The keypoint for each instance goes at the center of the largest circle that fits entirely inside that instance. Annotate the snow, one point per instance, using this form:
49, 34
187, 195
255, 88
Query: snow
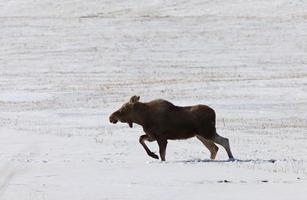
66, 65
21, 96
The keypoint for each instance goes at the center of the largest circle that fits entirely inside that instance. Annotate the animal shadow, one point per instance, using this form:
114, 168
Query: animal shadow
228, 160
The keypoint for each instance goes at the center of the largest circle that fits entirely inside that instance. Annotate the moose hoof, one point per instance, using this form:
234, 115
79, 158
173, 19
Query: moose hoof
231, 159
153, 155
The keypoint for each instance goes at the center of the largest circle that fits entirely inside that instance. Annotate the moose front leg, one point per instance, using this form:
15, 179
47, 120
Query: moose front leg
162, 148
142, 140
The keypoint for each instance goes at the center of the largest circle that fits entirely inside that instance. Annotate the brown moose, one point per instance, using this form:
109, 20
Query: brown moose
161, 120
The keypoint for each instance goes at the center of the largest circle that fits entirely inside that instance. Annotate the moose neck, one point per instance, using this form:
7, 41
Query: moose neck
140, 113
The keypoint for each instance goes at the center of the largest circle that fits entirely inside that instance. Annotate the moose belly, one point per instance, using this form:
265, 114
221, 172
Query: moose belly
179, 135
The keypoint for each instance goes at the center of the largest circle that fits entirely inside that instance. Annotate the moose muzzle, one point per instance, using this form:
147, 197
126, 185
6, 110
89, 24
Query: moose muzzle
113, 119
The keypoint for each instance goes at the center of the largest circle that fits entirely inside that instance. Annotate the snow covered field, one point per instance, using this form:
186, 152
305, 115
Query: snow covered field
66, 65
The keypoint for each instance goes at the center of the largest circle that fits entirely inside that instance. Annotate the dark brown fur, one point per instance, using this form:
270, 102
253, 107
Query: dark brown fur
161, 120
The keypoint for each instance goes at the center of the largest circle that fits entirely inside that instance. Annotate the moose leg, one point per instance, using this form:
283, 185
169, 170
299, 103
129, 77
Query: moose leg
224, 142
210, 145
142, 140
162, 148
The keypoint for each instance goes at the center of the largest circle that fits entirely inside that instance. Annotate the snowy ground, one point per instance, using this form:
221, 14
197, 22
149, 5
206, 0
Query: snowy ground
66, 65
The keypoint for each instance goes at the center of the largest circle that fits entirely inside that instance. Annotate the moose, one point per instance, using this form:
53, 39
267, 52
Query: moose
161, 121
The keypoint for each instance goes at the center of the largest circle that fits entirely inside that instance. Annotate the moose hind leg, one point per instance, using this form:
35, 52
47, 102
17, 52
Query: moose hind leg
210, 145
224, 142
142, 140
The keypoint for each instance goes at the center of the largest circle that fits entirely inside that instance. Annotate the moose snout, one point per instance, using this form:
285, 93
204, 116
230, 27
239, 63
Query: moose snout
113, 119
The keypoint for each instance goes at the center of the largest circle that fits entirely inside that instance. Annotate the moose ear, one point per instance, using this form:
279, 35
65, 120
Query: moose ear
134, 99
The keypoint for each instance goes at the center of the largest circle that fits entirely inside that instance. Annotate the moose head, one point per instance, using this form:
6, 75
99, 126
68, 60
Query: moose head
126, 112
